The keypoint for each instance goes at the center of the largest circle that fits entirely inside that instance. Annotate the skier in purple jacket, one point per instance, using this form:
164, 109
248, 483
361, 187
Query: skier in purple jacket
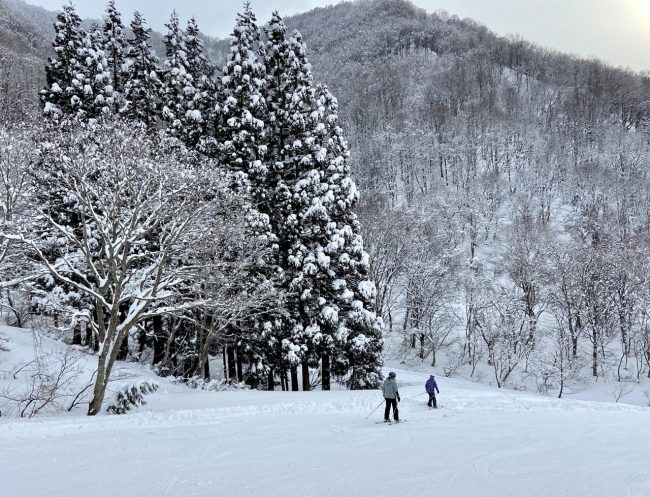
432, 389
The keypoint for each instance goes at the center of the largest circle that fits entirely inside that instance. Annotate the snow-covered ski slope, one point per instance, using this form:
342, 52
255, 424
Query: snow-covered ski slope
482, 442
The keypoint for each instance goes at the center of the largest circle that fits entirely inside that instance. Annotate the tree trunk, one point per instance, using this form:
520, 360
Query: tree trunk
99, 391
225, 362
89, 336
240, 368
76, 333
159, 341
19, 321
325, 372
124, 349
574, 337
232, 365
594, 355
295, 387
206, 371
271, 381
142, 339
105, 363
574, 347
305, 377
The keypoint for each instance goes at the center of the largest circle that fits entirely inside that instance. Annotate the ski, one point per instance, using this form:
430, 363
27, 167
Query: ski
390, 422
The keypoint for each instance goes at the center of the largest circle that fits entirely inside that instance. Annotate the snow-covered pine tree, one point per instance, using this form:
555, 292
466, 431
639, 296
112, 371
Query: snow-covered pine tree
115, 48
241, 146
325, 262
242, 105
359, 334
143, 85
95, 77
289, 100
62, 93
320, 249
199, 96
177, 84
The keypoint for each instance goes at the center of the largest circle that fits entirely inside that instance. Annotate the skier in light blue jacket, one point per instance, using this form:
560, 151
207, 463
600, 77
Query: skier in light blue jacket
391, 394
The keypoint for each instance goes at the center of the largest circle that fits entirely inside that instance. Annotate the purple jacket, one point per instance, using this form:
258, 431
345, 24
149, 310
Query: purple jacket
432, 386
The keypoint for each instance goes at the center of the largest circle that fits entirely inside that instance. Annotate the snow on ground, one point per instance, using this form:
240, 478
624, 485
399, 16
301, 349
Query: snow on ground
481, 442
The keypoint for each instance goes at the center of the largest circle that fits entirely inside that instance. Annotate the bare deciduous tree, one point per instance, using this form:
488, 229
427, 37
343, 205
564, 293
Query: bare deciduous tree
138, 208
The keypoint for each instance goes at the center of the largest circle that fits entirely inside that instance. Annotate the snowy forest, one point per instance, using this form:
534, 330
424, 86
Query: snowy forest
167, 214
290, 207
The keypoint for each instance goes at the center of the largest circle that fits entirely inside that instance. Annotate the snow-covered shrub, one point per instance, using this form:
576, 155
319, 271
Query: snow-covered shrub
49, 382
131, 396
213, 385
3, 343
479, 376
621, 389
19, 312
456, 360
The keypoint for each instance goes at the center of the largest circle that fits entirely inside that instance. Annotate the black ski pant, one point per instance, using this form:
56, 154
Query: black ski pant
432, 400
389, 403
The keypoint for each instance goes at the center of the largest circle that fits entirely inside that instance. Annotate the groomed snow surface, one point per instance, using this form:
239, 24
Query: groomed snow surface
187, 443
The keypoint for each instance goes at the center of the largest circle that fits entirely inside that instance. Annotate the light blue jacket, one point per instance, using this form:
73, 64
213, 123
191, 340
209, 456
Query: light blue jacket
389, 389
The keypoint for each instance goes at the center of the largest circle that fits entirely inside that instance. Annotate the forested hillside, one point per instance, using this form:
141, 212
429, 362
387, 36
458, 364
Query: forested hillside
504, 187
26, 33
505, 200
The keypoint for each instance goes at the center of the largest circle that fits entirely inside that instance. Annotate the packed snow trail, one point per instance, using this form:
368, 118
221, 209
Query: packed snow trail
278, 444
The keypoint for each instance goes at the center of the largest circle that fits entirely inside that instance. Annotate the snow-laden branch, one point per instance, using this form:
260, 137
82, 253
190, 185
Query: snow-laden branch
125, 221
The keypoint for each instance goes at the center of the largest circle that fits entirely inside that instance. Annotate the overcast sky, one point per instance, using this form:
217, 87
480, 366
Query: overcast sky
617, 31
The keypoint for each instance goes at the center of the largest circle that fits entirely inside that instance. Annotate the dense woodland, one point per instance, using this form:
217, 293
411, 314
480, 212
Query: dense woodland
504, 197
504, 192
165, 213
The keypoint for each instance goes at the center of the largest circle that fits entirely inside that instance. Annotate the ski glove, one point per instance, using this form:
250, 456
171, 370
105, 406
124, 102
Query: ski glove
398, 399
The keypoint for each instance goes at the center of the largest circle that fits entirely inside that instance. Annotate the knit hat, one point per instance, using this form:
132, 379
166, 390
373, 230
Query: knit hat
391, 375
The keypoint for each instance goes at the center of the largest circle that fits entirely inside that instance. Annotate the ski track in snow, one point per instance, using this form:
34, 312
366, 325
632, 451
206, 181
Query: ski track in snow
480, 443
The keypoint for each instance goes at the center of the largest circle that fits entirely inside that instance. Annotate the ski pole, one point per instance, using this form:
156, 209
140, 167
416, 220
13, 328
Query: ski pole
375, 409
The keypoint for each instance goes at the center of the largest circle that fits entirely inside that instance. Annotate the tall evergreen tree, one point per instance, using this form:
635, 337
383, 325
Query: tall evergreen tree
321, 250
242, 106
359, 333
241, 140
63, 91
95, 77
143, 85
290, 100
177, 84
115, 49
199, 96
